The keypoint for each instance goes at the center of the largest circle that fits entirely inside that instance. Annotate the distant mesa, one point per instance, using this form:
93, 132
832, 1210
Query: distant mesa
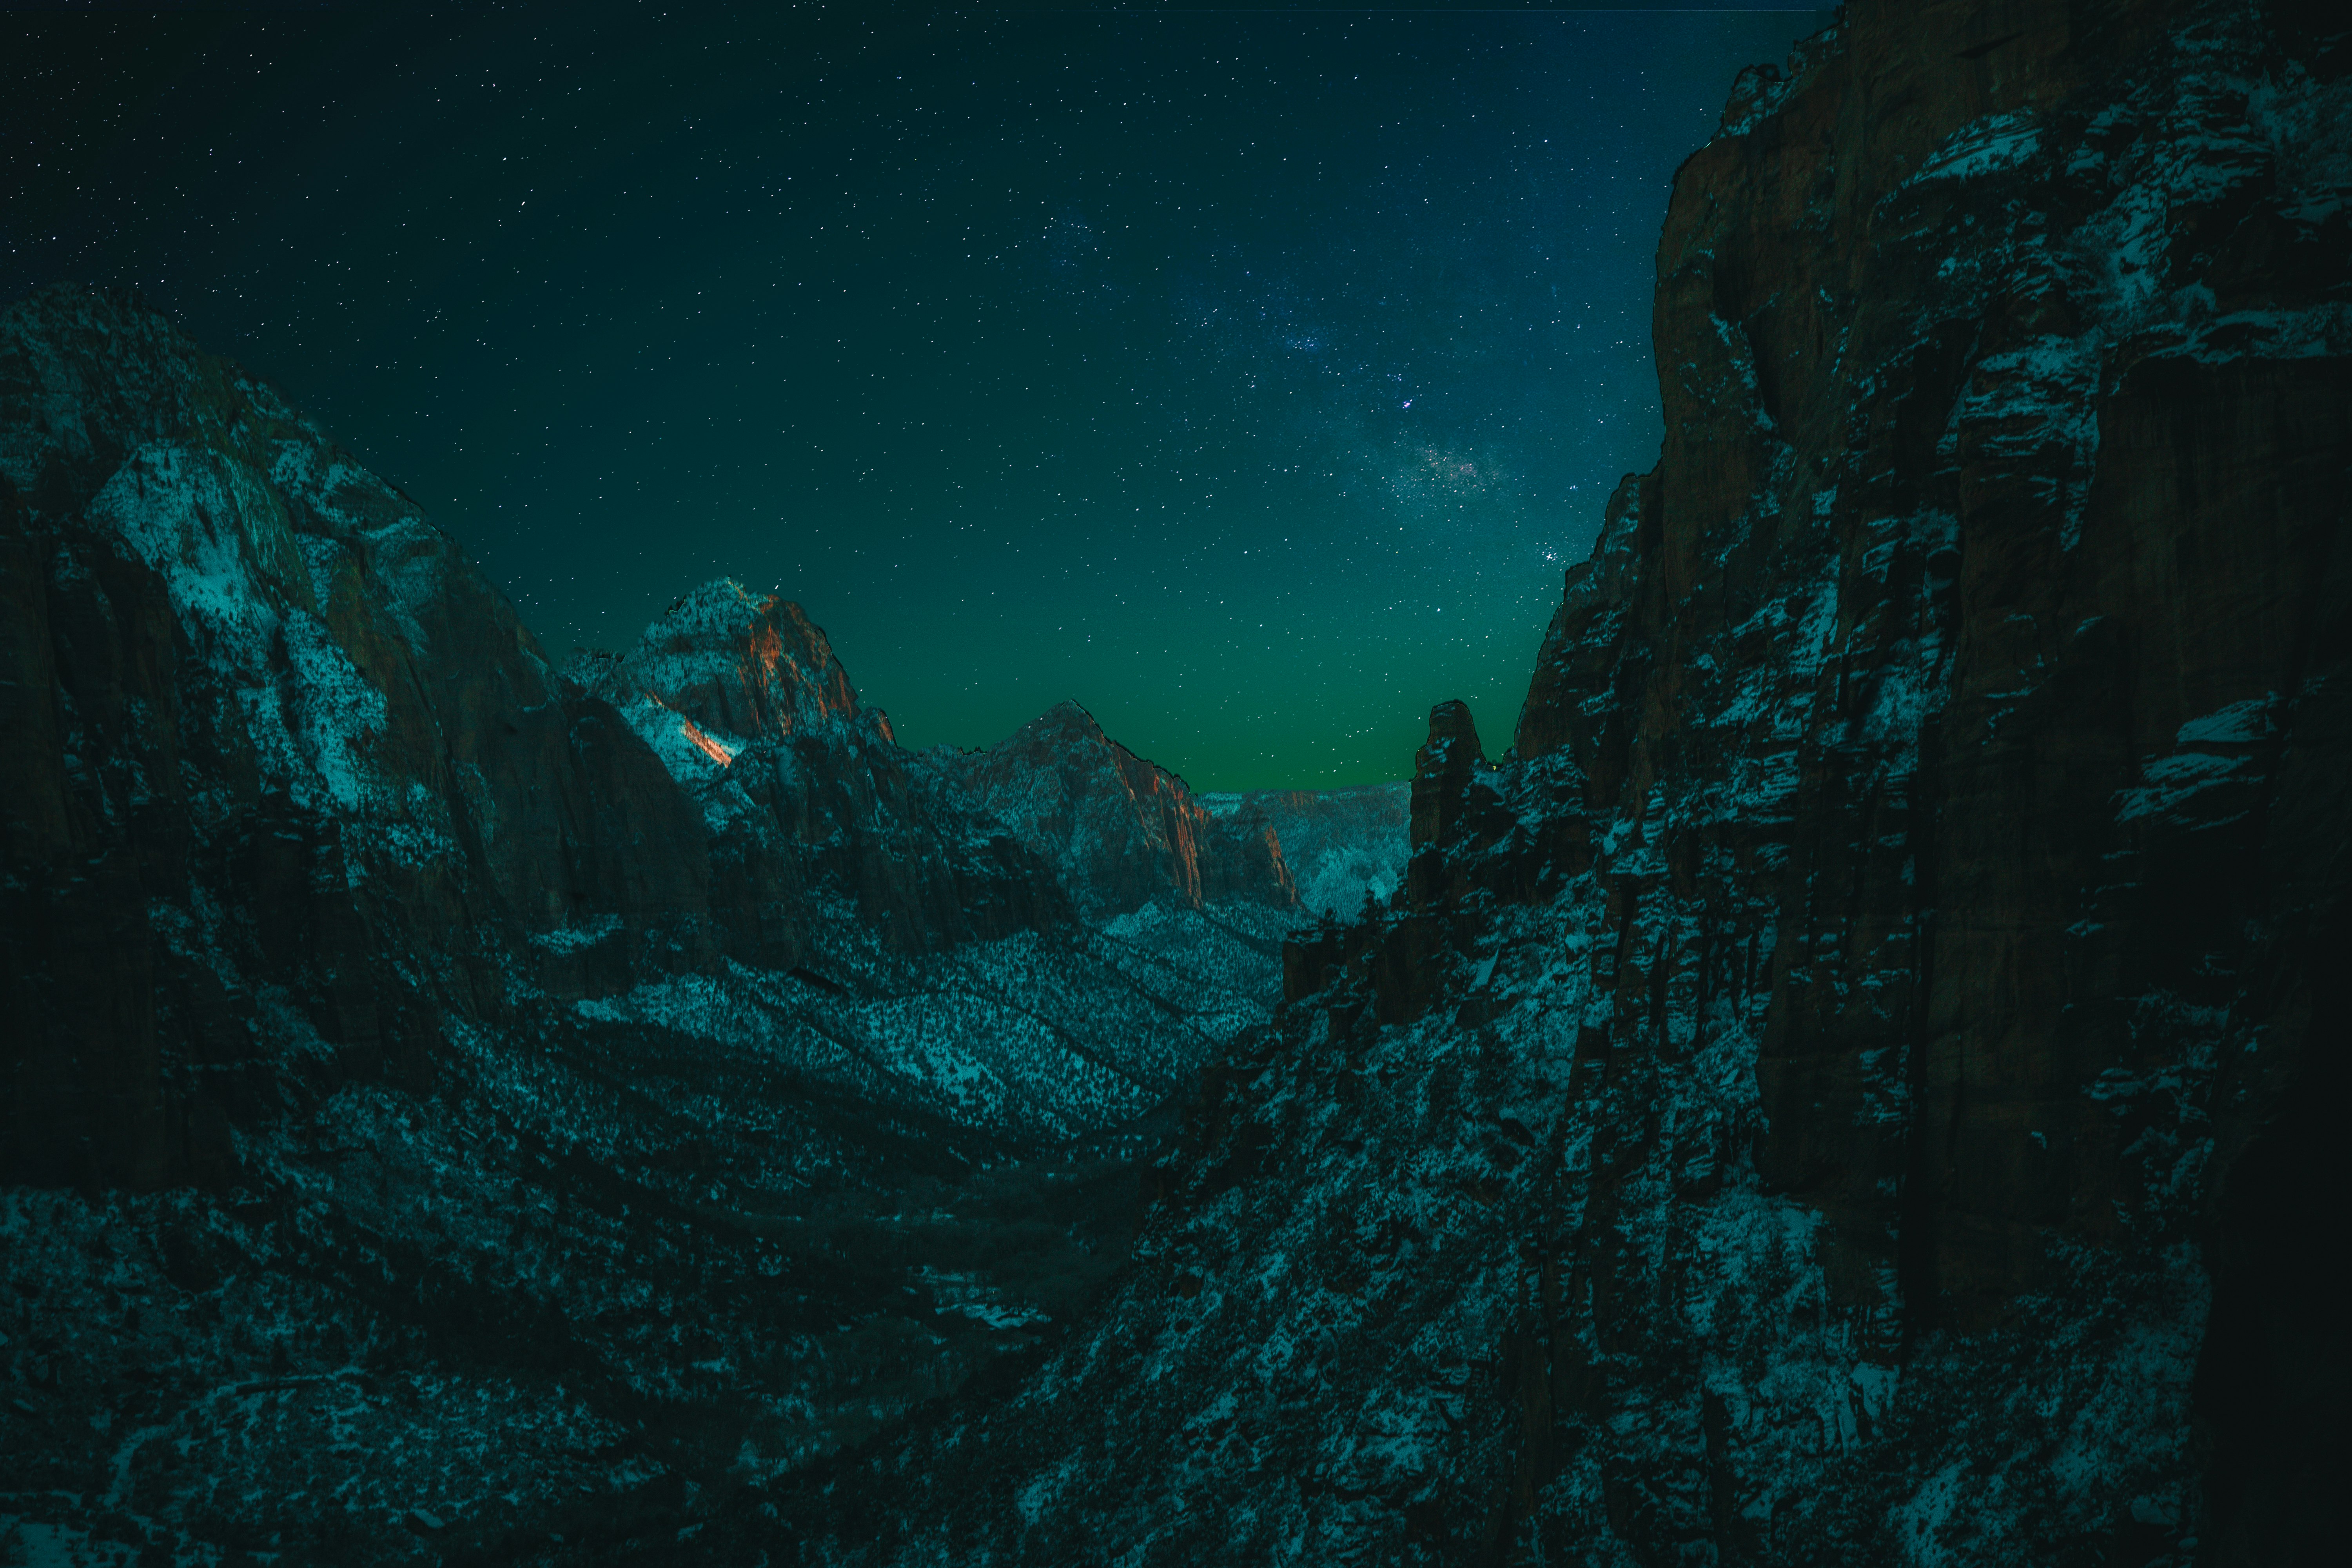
725, 669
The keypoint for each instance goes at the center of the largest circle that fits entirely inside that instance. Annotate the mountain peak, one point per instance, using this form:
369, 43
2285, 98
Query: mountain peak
1123, 830
736, 662
1067, 716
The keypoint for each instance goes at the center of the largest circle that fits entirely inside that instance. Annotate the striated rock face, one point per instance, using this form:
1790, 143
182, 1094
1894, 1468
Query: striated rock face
743, 700
1340, 846
1120, 831
1851, 1090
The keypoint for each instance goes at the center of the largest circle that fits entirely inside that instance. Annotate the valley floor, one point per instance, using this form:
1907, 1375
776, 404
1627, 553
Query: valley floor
651, 1249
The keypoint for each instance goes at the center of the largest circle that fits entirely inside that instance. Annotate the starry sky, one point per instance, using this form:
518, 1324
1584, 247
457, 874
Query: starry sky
1250, 376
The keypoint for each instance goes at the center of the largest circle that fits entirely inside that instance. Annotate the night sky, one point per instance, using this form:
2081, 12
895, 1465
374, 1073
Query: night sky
1250, 376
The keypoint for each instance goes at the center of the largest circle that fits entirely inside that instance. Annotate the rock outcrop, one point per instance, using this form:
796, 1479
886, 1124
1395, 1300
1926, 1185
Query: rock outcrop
284, 749
1851, 1087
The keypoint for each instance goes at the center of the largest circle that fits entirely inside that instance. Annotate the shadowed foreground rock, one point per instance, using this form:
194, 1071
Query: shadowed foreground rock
1854, 1086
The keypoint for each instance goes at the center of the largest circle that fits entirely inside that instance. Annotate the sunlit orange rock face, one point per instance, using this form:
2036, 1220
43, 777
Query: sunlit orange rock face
804, 790
740, 694
742, 663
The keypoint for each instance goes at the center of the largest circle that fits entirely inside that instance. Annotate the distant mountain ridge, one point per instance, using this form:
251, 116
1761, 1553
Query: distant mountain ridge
1342, 847
1122, 831
725, 671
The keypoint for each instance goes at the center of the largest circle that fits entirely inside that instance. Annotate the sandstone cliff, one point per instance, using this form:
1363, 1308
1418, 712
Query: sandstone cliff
283, 753
801, 789
1850, 1089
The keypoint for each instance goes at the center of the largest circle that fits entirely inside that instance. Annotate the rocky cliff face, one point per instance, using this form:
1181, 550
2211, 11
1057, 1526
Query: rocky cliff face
287, 760
1342, 845
1840, 1092
802, 791
446, 1095
1121, 831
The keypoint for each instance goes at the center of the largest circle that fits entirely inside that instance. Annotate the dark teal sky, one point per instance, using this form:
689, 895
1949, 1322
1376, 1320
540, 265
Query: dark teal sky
1250, 376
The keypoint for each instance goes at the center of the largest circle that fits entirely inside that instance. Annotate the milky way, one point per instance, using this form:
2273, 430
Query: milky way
1249, 377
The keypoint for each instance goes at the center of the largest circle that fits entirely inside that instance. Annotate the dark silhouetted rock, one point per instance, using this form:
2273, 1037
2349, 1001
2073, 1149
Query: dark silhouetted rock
1853, 1089
292, 753
541, 1093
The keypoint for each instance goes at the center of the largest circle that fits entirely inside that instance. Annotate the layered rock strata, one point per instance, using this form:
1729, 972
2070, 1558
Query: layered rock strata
284, 749
1849, 1088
